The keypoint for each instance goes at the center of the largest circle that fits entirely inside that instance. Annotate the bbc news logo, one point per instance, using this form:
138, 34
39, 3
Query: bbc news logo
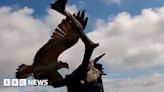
24, 82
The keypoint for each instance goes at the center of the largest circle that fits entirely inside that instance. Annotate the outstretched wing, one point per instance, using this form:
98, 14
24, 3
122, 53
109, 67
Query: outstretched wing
63, 38
59, 6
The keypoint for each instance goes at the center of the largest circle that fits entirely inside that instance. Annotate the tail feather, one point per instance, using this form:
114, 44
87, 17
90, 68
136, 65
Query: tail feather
24, 71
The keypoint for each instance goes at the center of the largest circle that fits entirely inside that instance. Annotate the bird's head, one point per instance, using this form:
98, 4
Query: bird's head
63, 65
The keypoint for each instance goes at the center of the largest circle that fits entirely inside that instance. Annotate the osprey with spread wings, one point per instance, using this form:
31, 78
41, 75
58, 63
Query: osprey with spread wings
46, 61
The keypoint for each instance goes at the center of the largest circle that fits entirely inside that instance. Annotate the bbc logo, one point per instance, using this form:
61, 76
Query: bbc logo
24, 82
14, 82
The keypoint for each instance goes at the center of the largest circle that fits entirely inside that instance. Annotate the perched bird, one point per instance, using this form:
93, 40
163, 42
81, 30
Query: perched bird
46, 61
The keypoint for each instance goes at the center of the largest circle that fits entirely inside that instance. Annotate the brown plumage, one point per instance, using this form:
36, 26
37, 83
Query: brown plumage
46, 62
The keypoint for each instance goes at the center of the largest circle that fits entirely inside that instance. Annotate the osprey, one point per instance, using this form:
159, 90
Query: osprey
46, 62
93, 73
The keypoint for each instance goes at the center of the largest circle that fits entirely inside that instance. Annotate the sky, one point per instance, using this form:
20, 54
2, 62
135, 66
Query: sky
130, 32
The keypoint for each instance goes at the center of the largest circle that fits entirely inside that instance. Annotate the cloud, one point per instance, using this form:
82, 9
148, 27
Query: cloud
54, 18
9, 90
153, 83
117, 2
21, 35
132, 42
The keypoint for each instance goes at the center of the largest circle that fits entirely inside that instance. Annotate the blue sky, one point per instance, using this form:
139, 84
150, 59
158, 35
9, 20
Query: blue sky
96, 8
132, 50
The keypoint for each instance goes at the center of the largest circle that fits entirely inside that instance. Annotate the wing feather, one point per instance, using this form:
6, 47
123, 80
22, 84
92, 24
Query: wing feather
59, 5
62, 38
